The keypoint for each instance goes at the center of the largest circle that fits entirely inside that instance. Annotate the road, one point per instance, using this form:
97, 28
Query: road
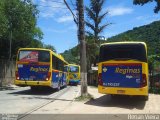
21, 100
40, 105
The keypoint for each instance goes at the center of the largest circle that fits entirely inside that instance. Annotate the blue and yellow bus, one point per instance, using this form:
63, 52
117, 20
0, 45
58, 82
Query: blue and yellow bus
40, 67
73, 74
123, 69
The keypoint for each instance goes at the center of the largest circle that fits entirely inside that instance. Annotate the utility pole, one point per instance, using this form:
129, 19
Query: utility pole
79, 20
83, 60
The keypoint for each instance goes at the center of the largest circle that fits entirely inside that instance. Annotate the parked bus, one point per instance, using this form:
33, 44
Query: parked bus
40, 67
73, 74
123, 69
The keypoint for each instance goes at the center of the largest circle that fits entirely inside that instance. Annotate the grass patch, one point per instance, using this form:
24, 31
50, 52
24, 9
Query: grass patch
84, 98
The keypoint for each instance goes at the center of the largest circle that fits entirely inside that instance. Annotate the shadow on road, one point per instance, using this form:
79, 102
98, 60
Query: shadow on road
118, 101
46, 91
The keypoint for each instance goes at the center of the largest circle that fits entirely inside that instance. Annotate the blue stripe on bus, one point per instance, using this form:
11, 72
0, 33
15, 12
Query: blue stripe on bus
33, 72
122, 76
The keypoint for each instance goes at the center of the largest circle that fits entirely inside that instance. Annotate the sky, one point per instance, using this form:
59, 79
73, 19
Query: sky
56, 21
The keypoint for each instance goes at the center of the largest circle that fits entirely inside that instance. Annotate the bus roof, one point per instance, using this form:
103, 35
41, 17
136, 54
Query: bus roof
123, 50
34, 49
72, 65
129, 42
55, 54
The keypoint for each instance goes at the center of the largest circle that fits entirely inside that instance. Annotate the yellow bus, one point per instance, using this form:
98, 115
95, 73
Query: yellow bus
37, 67
123, 69
73, 74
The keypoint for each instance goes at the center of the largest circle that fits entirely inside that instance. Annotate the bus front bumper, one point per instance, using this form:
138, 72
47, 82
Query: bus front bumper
123, 91
32, 83
74, 81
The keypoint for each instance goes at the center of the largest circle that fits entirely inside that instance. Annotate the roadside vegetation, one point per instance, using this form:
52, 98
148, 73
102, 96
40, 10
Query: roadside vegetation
18, 27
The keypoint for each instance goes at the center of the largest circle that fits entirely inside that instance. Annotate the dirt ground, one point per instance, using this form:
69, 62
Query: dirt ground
104, 104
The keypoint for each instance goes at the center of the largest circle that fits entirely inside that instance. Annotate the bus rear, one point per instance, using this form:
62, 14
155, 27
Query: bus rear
73, 74
123, 69
33, 67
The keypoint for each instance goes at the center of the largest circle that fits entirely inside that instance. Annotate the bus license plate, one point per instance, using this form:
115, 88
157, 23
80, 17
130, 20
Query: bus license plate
120, 91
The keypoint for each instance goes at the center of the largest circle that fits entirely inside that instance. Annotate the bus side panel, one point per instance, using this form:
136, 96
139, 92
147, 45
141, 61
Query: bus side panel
55, 79
64, 79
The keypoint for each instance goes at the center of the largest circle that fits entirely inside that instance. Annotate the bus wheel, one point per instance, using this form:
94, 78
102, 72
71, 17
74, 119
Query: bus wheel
145, 98
113, 96
59, 87
33, 88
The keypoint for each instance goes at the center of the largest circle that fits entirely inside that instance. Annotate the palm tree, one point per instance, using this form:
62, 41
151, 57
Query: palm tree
95, 16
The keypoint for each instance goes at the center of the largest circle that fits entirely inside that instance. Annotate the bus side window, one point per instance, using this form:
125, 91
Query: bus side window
53, 62
60, 65
57, 63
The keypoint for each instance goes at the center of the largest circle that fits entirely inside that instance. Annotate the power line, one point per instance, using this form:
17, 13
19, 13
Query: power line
74, 16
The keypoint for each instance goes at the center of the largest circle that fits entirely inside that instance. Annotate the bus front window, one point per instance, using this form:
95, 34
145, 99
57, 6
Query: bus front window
123, 52
74, 69
34, 56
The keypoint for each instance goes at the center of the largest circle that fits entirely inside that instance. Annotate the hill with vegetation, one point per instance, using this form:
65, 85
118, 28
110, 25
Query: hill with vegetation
148, 33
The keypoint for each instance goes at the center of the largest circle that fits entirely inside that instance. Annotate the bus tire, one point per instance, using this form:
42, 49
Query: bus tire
145, 98
113, 96
33, 88
59, 87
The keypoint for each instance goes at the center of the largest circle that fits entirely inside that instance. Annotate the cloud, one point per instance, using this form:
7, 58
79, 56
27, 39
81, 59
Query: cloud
54, 30
55, 10
50, 8
148, 18
65, 18
119, 10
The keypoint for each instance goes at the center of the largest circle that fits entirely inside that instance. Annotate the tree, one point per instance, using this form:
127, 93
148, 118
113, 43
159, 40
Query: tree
81, 38
95, 15
50, 47
142, 2
18, 26
83, 60
3, 20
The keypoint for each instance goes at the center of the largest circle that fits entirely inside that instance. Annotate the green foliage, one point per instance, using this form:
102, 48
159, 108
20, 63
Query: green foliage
142, 2
3, 20
148, 33
95, 18
50, 47
18, 17
72, 55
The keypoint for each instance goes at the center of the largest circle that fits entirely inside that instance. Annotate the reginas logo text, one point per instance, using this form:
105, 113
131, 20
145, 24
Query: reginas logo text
126, 70
38, 69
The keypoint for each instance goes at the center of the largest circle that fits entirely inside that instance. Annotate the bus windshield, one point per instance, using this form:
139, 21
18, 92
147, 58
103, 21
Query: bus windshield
123, 52
34, 56
74, 69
